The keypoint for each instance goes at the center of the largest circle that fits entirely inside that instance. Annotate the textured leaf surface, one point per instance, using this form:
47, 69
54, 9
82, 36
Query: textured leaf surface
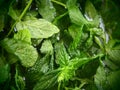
47, 81
38, 28
75, 14
46, 47
26, 53
62, 58
75, 32
46, 9
23, 35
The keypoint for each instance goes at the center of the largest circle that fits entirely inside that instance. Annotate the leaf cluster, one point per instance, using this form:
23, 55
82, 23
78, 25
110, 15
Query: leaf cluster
59, 45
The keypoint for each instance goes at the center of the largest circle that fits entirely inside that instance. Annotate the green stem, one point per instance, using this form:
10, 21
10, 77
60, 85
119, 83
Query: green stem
20, 17
59, 85
59, 3
59, 17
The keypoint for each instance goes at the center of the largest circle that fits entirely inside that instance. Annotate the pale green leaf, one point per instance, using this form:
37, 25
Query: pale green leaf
25, 52
46, 47
23, 35
39, 28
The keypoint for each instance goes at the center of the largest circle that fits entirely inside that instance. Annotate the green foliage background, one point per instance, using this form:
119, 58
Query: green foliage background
59, 45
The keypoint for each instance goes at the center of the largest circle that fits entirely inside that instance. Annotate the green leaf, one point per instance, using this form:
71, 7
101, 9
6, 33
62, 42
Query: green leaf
100, 78
46, 9
114, 55
46, 81
2, 60
23, 35
75, 32
25, 52
12, 58
90, 10
89, 69
75, 14
106, 80
39, 28
91, 14
1, 22
46, 47
4, 73
41, 65
113, 51
12, 13
114, 80
66, 73
19, 80
62, 57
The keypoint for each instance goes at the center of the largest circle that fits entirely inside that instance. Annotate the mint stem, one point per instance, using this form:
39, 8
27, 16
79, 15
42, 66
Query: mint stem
20, 17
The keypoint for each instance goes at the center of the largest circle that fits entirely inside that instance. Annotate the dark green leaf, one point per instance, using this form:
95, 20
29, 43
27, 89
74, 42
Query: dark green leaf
1, 22
46, 81
12, 13
40, 67
100, 78
12, 58
113, 51
46, 9
4, 73
90, 10
2, 61
107, 81
75, 13
114, 80
19, 80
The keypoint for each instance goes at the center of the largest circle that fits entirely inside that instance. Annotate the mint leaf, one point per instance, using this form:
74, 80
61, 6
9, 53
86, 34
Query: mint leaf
4, 73
75, 14
39, 28
76, 32
46, 81
23, 35
46, 47
12, 13
26, 53
113, 51
62, 57
19, 80
90, 10
46, 9
101, 78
